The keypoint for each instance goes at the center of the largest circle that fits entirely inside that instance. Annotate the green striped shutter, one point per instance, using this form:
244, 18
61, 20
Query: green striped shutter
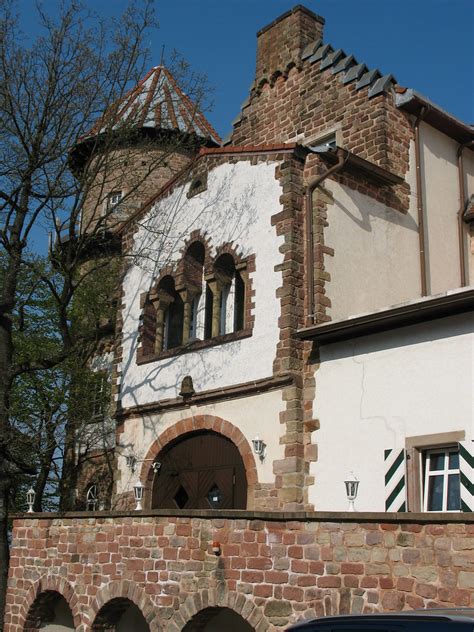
395, 480
466, 473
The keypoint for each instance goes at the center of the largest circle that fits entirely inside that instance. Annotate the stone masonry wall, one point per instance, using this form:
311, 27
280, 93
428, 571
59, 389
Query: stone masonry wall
273, 569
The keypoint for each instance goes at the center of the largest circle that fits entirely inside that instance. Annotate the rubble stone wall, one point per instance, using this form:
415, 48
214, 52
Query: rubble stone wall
273, 568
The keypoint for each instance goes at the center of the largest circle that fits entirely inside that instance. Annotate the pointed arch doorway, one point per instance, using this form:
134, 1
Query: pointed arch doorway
200, 470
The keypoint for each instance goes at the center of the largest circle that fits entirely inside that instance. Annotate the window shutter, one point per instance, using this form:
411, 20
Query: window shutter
395, 480
466, 473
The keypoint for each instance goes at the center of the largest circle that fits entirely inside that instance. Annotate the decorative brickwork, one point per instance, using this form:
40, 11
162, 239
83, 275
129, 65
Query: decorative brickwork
273, 569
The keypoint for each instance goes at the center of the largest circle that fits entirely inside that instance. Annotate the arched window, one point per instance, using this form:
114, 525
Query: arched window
228, 297
169, 315
92, 498
193, 268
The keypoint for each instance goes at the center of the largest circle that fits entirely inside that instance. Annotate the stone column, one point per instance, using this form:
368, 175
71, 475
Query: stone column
161, 301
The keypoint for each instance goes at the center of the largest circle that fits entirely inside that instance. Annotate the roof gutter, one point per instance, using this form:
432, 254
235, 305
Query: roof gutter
413, 101
342, 158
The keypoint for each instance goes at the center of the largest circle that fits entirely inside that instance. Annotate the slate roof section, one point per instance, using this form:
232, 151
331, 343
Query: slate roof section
157, 102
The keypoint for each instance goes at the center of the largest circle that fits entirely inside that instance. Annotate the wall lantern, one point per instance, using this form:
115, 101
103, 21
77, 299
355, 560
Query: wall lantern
352, 487
259, 447
30, 499
138, 490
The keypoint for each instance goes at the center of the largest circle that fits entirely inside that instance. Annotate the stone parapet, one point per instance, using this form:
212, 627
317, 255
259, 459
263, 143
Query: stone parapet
273, 567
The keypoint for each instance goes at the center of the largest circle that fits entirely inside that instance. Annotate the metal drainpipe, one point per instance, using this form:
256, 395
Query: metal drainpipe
462, 201
342, 158
419, 196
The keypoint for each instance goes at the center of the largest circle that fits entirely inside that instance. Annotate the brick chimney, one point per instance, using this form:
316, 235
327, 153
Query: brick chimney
282, 42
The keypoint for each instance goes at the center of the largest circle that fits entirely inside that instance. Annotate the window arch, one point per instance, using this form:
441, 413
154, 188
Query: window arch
169, 315
228, 297
197, 300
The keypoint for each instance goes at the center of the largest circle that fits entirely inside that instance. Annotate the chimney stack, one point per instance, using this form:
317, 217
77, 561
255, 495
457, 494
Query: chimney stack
282, 42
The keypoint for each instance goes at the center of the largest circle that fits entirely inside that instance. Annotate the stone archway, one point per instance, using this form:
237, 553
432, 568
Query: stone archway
50, 612
120, 604
207, 608
201, 423
50, 601
217, 620
200, 470
120, 615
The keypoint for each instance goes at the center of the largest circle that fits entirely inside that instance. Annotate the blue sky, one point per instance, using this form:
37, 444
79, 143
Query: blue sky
427, 45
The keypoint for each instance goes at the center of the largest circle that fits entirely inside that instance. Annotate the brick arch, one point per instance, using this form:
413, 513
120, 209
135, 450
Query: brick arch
216, 599
45, 584
124, 590
201, 237
202, 422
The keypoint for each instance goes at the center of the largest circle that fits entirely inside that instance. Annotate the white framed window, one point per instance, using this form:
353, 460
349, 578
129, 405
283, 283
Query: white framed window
112, 202
441, 484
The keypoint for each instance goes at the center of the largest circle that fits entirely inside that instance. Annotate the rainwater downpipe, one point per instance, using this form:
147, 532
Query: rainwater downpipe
419, 197
342, 158
462, 202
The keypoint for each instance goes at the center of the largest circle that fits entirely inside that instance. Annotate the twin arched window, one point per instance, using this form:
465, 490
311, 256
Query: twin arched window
195, 304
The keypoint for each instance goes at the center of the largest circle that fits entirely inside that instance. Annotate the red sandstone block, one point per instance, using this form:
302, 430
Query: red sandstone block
329, 581
306, 580
170, 553
416, 603
349, 568
252, 577
426, 590
263, 590
288, 538
299, 566
388, 526
393, 600
295, 552
238, 562
317, 568
249, 549
351, 581
405, 584
276, 577
369, 582
386, 582
260, 563
293, 593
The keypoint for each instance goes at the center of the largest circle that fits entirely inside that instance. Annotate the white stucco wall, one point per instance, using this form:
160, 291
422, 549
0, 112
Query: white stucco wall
441, 200
374, 391
237, 206
255, 415
375, 262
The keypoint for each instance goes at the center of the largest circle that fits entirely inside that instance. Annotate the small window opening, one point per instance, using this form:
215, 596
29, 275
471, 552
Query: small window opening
92, 498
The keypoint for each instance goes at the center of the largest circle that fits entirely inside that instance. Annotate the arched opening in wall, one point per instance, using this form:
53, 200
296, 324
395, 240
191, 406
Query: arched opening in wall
50, 612
230, 295
120, 615
172, 316
200, 470
217, 620
193, 282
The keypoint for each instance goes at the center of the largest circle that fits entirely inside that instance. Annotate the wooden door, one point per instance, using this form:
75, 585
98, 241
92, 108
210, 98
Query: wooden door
201, 471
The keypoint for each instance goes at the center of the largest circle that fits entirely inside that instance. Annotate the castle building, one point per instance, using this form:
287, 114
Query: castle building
295, 321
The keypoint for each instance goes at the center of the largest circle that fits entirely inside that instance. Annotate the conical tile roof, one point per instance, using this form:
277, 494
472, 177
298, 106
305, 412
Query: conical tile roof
157, 102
